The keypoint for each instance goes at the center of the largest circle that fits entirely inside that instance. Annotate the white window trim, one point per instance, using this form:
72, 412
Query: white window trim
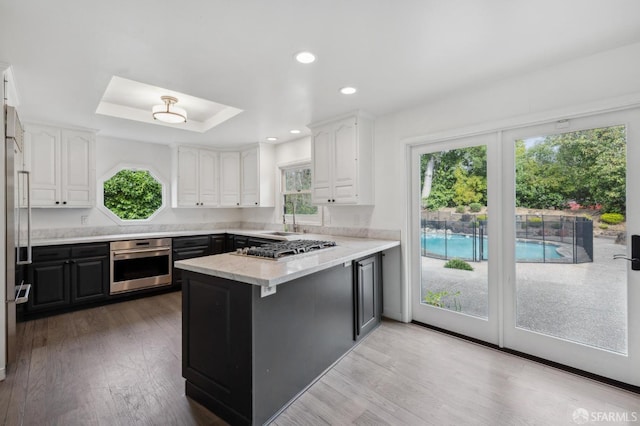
301, 219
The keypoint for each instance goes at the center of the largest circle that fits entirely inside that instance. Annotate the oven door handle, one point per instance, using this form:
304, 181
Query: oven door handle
138, 253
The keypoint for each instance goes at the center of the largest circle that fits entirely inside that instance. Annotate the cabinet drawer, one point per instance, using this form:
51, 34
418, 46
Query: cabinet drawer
185, 242
44, 254
90, 250
190, 253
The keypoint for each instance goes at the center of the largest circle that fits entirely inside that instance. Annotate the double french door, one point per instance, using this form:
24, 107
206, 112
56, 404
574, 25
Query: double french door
519, 239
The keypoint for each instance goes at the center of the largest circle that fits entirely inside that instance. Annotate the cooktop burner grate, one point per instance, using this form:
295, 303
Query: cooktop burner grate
282, 249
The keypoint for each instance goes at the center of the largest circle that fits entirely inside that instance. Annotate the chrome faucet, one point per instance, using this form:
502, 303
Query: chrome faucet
293, 214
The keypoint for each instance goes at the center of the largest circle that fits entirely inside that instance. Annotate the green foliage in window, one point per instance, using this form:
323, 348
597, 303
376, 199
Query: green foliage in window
132, 194
460, 209
301, 202
441, 299
612, 218
475, 207
458, 264
534, 221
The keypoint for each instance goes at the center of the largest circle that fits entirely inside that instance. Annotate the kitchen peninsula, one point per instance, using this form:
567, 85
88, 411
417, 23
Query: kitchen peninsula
257, 332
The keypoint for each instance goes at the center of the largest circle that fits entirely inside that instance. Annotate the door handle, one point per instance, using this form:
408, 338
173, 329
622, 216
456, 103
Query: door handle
635, 253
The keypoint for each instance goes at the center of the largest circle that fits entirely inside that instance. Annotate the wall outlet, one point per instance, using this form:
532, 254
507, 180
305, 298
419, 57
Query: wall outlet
84, 220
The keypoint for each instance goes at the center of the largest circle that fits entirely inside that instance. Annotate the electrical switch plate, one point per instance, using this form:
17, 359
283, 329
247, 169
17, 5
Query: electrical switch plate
84, 220
267, 291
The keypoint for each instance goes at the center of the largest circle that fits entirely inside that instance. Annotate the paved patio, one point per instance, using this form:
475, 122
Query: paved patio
584, 302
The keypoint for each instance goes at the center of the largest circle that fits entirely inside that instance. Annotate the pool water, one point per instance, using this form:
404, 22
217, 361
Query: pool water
462, 246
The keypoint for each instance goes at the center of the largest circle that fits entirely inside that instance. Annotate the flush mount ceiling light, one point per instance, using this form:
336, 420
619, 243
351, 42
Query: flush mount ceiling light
272, 139
305, 57
294, 131
169, 112
348, 90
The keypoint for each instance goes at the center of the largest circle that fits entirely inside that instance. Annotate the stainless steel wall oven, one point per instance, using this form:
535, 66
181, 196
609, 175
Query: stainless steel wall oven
139, 264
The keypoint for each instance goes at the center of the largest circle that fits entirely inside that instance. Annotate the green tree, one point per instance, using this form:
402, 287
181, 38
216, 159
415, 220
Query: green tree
132, 194
457, 173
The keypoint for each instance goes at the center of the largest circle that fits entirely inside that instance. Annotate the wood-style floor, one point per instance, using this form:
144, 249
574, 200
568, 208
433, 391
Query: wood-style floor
120, 365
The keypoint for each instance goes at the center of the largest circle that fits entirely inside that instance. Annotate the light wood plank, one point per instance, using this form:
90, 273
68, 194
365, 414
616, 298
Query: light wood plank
120, 364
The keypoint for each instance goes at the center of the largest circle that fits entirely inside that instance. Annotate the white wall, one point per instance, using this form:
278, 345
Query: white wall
604, 80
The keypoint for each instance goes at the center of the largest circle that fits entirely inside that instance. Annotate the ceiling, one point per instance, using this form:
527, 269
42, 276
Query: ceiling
240, 53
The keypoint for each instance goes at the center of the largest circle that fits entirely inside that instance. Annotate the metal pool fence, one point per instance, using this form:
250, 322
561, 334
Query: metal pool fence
571, 237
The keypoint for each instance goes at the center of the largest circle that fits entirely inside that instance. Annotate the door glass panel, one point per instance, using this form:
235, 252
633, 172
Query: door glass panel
570, 212
453, 230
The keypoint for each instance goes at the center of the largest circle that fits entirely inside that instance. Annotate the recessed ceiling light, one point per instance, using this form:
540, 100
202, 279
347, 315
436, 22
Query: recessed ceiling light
305, 57
294, 131
348, 90
272, 139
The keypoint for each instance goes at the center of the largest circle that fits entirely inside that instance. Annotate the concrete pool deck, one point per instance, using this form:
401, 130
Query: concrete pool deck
585, 302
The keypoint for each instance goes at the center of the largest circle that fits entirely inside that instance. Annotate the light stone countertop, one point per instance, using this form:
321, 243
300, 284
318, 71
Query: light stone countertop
268, 272
171, 234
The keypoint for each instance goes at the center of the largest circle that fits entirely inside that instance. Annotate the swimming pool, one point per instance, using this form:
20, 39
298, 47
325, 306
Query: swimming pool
464, 246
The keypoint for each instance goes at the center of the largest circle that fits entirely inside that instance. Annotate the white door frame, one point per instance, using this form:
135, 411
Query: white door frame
478, 328
624, 368
500, 328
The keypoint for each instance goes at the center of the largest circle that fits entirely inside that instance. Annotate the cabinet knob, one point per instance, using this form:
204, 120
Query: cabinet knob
64, 202
237, 204
256, 203
333, 201
57, 202
328, 201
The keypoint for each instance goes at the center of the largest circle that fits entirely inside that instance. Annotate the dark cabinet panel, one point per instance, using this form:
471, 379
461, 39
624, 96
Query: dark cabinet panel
66, 275
216, 343
240, 241
367, 295
187, 242
49, 285
89, 279
187, 248
258, 242
218, 244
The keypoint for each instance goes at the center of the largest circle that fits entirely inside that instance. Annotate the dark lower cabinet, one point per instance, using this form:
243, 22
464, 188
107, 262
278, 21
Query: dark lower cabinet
367, 292
245, 356
187, 248
64, 276
217, 244
49, 285
89, 279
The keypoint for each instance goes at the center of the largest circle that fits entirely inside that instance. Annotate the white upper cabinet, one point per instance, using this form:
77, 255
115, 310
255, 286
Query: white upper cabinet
250, 177
230, 179
223, 178
258, 169
61, 163
342, 160
196, 178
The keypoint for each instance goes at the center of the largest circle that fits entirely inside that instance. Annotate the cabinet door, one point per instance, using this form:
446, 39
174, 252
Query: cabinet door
249, 194
229, 179
218, 244
77, 169
89, 279
188, 161
345, 155
42, 157
49, 285
208, 173
322, 164
367, 294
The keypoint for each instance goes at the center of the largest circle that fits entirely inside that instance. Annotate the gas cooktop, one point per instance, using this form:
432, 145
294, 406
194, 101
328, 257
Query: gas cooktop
281, 249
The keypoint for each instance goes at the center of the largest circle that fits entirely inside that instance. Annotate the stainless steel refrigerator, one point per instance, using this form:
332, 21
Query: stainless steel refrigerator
17, 224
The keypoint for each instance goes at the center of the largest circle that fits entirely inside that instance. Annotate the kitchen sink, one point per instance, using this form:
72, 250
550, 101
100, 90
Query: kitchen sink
282, 234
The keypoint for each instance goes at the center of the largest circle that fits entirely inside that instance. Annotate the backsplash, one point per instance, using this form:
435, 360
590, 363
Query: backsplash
95, 231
